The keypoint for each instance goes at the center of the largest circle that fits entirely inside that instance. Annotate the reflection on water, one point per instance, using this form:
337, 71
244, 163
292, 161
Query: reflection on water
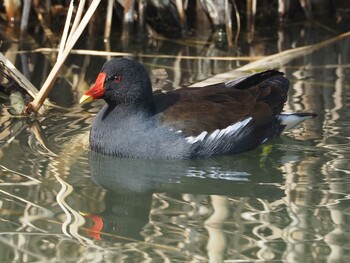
286, 201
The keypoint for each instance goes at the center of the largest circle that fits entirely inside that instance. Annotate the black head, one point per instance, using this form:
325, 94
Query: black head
122, 81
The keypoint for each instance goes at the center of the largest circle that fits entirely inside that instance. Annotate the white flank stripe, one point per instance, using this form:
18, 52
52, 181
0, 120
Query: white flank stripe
193, 139
217, 134
233, 128
214, 134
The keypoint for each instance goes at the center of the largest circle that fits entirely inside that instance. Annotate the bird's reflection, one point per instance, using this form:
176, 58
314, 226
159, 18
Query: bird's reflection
132, 183
238, 174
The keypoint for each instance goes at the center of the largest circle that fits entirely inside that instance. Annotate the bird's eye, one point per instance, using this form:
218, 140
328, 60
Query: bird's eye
117, 79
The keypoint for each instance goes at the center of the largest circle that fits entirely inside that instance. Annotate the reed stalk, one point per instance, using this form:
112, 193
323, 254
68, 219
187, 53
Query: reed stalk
77, 19
180, 8
142, 55
108, 24
35, 105
25, 15
47, 31
286, 56
271, 61
18, 76
228, 23
238, 21
65, 30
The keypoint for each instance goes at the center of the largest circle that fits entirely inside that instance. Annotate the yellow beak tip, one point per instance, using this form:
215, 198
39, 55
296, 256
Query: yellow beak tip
85, 99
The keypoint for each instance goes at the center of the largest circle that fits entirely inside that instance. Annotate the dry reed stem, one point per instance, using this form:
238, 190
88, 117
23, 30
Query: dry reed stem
141, 55
109, 19
284, 57
228, 23
238, 21
18, 76
180, 8
35, 105
77, 19
47, 31
66, 29
271, 61
25, 15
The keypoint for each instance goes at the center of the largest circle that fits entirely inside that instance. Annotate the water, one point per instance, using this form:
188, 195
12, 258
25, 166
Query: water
285, 201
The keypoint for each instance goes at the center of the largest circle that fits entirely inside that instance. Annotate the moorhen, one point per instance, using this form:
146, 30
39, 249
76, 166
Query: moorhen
225, 118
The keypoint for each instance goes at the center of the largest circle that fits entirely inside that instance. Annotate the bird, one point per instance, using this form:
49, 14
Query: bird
219, 119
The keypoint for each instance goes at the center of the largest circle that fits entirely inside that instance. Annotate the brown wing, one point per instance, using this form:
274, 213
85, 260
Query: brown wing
260, 96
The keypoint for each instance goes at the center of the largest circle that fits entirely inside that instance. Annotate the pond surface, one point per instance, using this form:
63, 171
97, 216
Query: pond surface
288, 200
